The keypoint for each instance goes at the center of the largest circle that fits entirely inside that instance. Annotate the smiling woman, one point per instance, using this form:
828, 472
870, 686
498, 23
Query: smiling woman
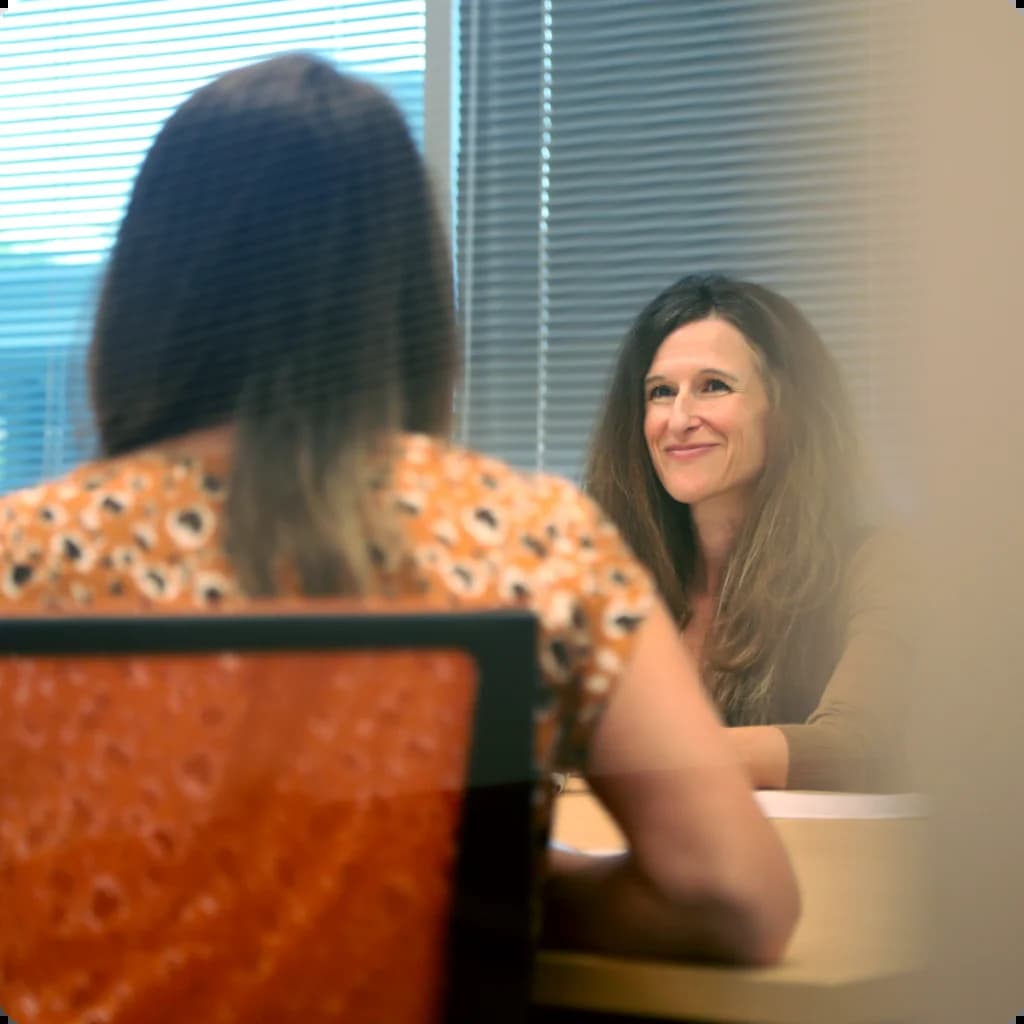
727, 454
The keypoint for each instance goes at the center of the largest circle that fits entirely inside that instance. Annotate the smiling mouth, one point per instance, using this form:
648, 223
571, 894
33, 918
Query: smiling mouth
689, 452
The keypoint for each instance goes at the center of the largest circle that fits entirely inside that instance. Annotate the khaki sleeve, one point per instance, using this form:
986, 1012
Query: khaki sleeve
855, 739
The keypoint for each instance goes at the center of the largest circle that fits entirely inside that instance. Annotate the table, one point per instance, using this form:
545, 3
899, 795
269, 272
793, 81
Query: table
856, 956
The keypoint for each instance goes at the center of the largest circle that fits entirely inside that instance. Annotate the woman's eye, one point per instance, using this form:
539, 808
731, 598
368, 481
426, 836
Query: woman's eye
659, 391
715, 385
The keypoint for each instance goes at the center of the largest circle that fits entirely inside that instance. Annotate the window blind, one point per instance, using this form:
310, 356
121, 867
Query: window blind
85, 88
607, 149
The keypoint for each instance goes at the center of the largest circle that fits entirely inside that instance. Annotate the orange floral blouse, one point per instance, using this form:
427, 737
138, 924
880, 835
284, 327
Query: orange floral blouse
145, 531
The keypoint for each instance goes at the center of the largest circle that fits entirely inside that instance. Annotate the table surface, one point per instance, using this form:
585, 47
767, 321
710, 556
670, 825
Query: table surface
856, 955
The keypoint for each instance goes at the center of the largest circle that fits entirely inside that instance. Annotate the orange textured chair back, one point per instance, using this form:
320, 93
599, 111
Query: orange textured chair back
260, 818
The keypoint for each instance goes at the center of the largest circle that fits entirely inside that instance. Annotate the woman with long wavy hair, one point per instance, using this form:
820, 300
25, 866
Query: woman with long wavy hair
727, 455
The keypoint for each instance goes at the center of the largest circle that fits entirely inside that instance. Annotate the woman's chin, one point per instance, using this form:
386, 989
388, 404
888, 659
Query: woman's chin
688, 492
688, 495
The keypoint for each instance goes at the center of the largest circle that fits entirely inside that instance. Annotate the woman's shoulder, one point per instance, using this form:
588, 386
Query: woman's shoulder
436, 467
89, 521
541, 527
884, 575
54, 503
107, 488
885, 549
462, 463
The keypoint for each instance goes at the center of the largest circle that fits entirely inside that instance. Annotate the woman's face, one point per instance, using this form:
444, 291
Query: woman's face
706, 411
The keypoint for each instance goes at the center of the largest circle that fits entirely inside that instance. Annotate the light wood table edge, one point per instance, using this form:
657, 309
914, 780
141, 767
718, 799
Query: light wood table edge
673, 991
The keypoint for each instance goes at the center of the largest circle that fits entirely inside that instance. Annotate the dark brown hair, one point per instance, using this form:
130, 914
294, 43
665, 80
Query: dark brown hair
281, 268
789, 556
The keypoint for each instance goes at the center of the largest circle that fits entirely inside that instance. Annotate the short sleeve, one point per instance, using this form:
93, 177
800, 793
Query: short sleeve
591, 616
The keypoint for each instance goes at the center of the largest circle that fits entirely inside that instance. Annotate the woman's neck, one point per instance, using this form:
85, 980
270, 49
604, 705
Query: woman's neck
716, 526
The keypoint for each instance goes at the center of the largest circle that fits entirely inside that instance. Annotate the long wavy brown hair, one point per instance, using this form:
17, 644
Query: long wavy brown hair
784, 574
281, 268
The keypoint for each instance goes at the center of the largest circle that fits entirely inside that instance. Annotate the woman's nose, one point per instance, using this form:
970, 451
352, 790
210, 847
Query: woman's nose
681, 416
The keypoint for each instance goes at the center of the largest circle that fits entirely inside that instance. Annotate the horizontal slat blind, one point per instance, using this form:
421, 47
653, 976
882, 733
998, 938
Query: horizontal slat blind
85, 88
500, 215
609, 148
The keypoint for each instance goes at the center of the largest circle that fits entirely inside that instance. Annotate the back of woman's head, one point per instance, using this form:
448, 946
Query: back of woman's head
280, 268
806, 504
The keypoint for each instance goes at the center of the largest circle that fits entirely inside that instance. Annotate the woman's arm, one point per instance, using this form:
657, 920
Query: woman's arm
854, 738
763, 751
706, 874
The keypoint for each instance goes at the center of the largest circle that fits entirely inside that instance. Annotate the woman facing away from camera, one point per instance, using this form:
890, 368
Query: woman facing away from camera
272, 366
727, 455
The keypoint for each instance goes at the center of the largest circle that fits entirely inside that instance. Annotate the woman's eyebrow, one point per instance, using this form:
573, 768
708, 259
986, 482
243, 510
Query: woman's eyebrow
706, 370
720, 373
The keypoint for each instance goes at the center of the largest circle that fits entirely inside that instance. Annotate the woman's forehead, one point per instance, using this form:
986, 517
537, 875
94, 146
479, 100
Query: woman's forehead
705, 344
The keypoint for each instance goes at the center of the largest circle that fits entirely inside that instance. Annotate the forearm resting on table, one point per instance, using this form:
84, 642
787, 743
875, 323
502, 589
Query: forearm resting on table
764, 752
603, 903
